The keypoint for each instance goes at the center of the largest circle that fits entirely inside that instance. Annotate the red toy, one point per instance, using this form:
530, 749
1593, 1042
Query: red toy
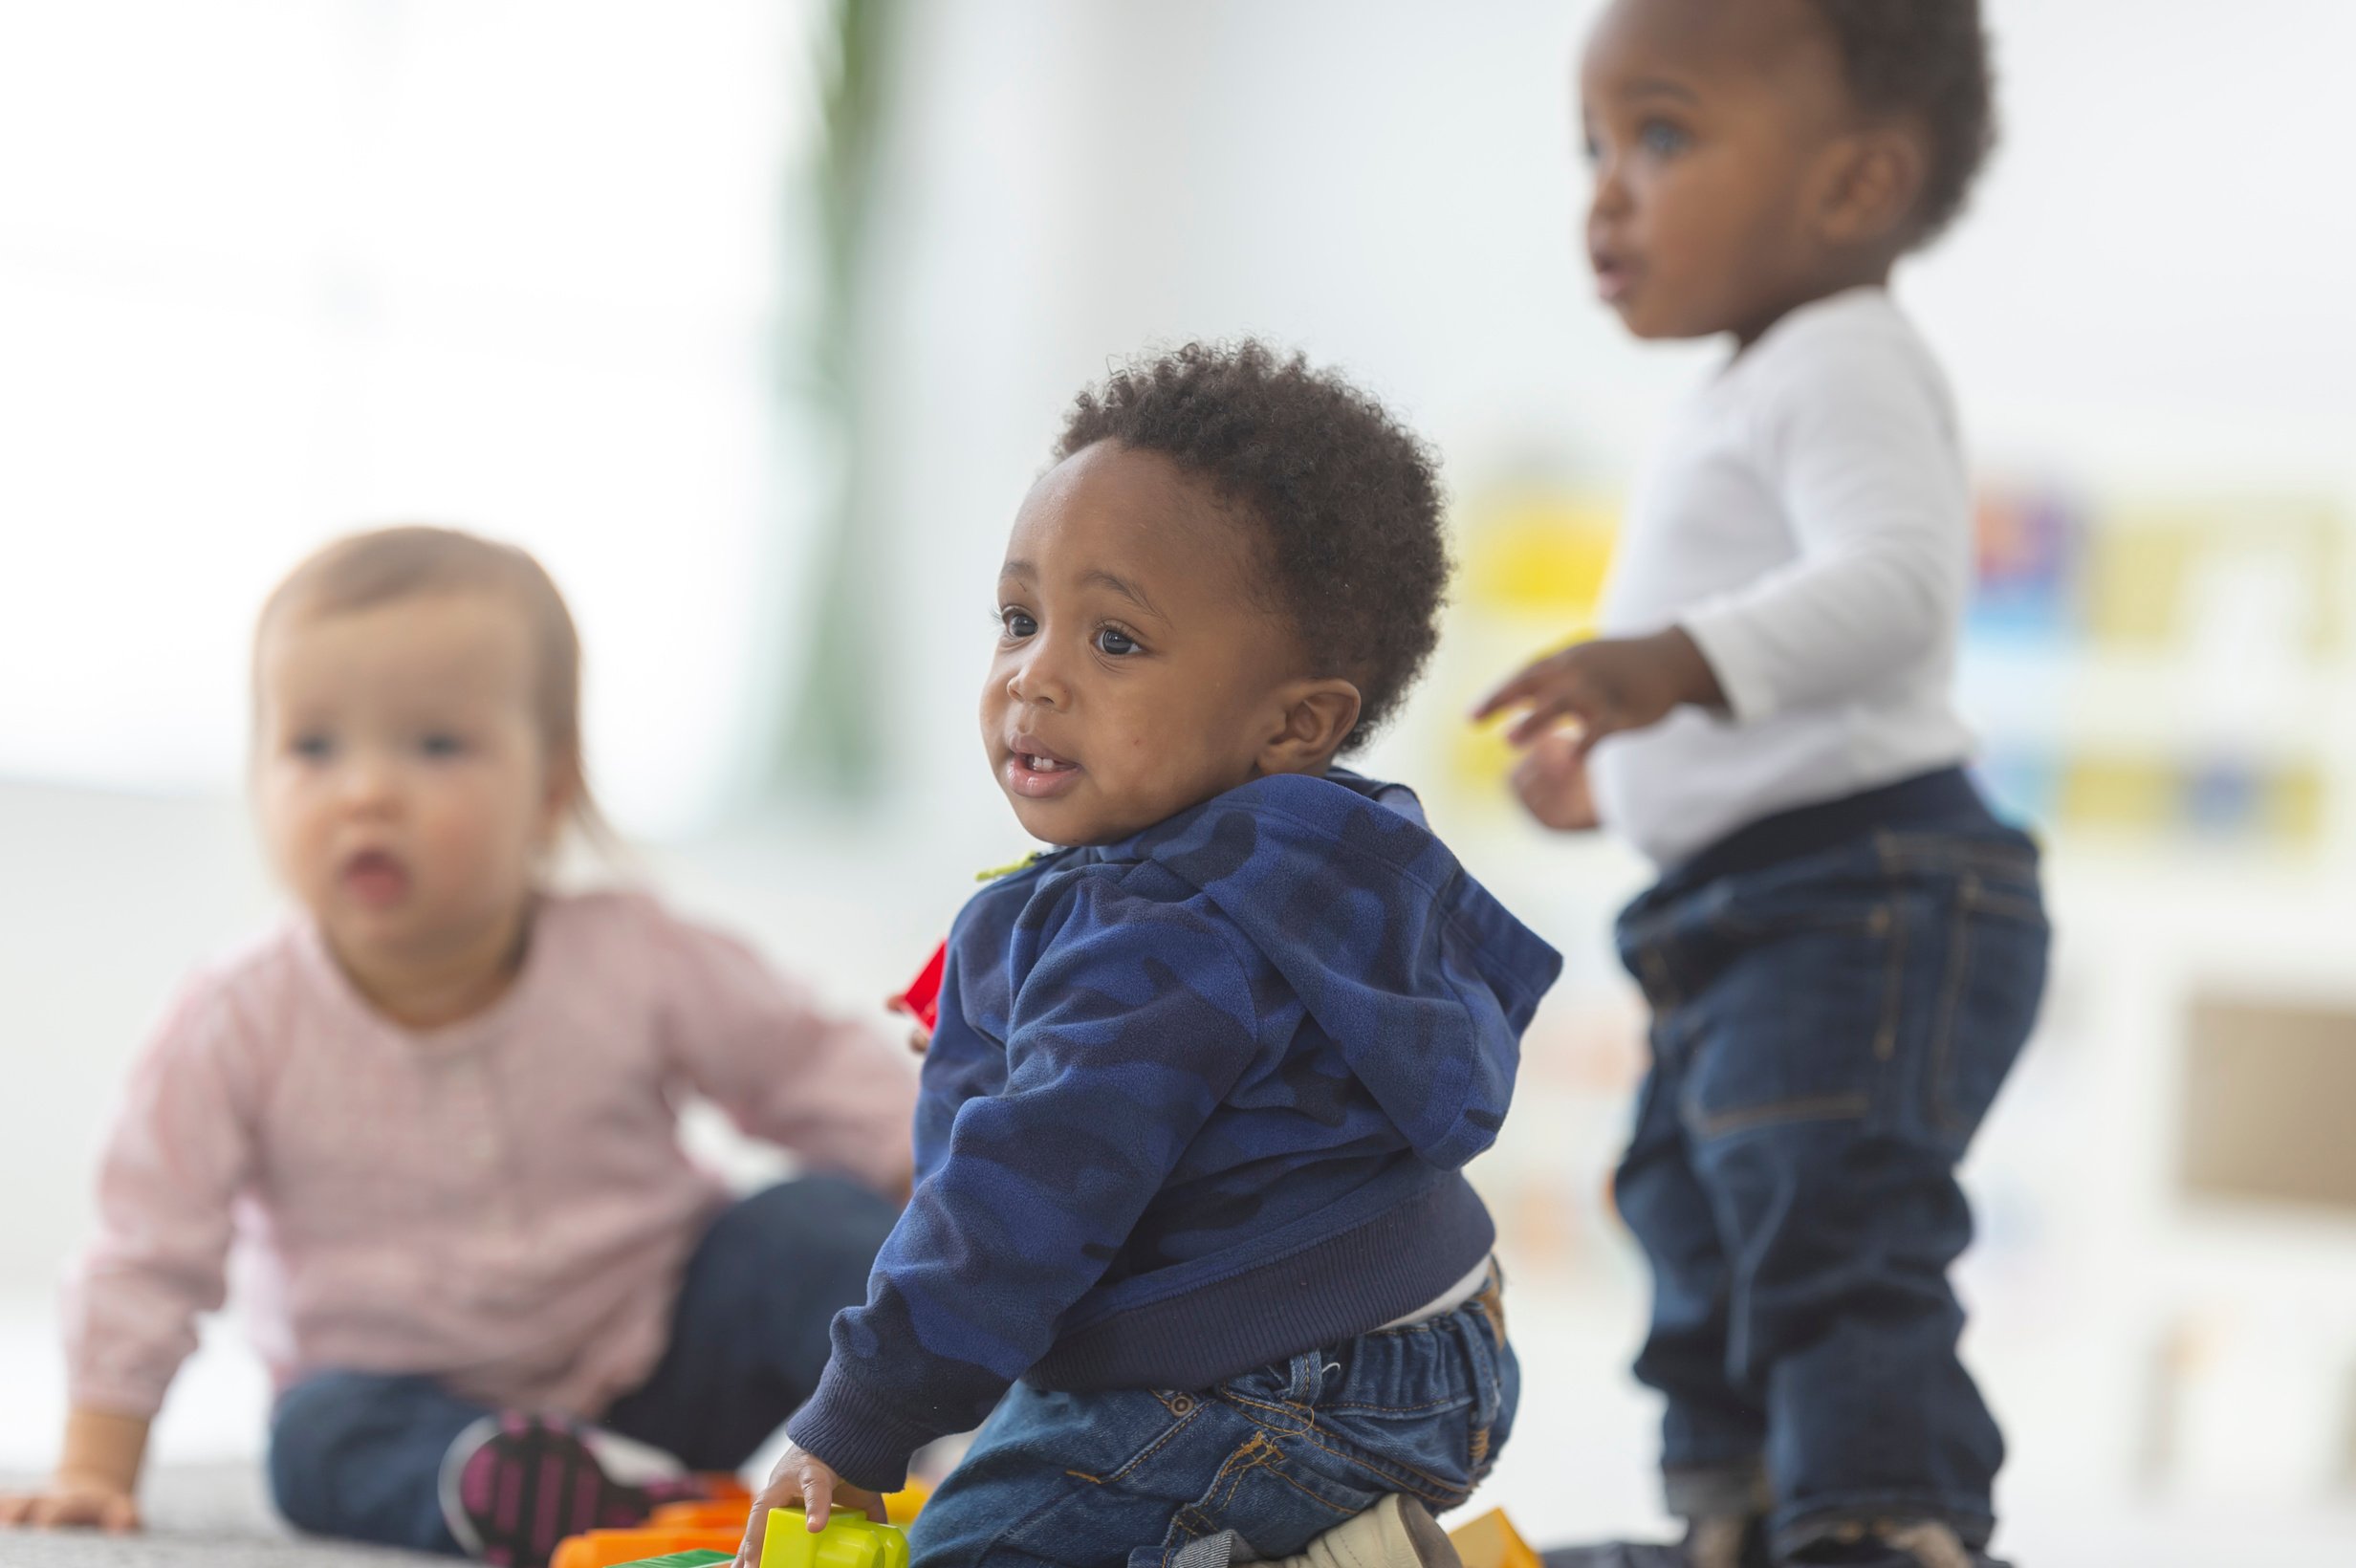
922, 1000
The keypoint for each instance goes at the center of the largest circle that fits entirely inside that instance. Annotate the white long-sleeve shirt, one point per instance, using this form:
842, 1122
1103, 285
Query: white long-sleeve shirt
502, 1203
1808, 523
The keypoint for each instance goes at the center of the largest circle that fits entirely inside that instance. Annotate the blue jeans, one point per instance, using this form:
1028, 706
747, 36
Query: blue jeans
1833, 1013
1278, 1455
358, 1455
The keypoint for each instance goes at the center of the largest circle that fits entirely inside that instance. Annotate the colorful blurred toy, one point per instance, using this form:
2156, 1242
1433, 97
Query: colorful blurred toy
631, 1548
680, 1534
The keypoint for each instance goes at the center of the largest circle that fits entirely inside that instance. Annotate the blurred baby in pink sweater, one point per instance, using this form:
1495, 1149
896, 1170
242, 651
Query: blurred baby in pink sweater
434, 1118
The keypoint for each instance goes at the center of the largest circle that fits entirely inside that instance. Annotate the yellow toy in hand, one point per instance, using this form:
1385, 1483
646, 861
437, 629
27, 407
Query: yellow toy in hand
848, 1542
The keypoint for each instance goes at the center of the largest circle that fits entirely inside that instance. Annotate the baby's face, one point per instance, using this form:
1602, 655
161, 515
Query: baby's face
401, 781
1136, 674
1707, 122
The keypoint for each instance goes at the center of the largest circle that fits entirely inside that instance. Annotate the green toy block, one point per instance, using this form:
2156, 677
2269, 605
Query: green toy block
848, 1542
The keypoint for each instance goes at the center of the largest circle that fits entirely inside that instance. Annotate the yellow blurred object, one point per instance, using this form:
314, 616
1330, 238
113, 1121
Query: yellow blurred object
1491, 1541
1536, 554
2135, 580
2147, 569
2115, 793
1478, 760
2292, 805
902, 1506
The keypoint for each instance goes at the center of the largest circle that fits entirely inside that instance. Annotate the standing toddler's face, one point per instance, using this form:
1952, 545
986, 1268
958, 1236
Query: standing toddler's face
1704, 121
402, 785
1135, 674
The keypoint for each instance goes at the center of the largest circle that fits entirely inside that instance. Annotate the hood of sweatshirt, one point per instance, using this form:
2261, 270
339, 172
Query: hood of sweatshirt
1410, 966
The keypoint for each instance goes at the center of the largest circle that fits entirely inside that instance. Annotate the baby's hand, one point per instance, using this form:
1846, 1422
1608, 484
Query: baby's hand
1552, 780
803, 1480
69, 1500
1605, 686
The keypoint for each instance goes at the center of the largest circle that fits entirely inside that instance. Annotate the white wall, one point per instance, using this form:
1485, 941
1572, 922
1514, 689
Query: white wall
2150, 291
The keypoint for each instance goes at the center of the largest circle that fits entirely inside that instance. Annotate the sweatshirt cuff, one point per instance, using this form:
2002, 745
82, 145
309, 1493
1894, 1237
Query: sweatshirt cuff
132, 1397
1719, 631
866, 1441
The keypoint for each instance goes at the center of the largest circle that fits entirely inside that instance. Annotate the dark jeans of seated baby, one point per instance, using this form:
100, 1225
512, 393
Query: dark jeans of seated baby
359, 1454
1827, 1034
1125, 1480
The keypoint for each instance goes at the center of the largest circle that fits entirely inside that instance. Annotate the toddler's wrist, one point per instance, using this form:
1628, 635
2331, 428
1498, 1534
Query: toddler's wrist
102, 1451
1687, 668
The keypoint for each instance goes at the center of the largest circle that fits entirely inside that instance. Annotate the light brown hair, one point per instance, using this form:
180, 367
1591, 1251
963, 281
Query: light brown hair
385, 565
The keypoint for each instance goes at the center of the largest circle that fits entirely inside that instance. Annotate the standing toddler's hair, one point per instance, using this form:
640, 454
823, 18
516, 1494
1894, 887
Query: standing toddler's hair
1926, 60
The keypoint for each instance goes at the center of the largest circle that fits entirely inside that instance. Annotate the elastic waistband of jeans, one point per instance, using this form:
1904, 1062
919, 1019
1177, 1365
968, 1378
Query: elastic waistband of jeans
1946, 797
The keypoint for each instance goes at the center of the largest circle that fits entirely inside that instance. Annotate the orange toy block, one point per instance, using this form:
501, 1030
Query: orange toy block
1491, 1541
713, 1514
612, 1548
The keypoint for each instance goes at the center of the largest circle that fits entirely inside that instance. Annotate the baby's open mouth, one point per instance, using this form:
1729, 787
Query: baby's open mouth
375, 878
1035, 774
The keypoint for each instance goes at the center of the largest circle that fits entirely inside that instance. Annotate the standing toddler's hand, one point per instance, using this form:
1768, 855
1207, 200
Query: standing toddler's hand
1552, 780
1605, 686
803, 1480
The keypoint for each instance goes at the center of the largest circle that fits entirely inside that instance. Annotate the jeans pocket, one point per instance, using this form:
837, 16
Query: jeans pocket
1798, 1026
1272, 1492
1993, 979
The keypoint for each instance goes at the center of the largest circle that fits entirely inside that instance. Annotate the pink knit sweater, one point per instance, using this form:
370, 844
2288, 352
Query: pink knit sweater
502, 1203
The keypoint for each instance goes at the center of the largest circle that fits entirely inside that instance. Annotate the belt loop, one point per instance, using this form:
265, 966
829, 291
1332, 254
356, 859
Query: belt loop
1484, 1360
1308, 1372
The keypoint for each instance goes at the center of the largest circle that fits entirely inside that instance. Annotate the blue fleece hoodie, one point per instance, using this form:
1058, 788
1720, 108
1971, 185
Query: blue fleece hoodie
1197, 1101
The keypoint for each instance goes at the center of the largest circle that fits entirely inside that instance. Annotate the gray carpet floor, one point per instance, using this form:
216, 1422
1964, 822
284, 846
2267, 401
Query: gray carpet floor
198, 1516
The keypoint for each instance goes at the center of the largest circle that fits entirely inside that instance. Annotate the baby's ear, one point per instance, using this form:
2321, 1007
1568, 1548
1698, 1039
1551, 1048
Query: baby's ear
1318, 716
561, 795
1877, 182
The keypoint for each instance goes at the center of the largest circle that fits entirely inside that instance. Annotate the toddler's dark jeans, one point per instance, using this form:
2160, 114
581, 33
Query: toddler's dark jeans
1836, 994
358, 1455
1131, 1479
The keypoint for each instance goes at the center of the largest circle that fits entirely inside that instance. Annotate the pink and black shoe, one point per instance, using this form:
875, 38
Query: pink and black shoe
514, 1485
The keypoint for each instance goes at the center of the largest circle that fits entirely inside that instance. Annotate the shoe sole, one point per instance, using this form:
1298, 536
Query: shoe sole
529, 1485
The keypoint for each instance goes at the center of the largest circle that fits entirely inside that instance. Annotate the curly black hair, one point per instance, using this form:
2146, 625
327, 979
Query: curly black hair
1346, 500
1927, 59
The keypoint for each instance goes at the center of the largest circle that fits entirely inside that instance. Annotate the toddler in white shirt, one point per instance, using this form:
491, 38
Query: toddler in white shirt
1845, 949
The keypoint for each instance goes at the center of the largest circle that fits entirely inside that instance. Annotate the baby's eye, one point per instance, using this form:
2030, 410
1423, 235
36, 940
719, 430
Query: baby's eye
1113, 640
311, 747
441, 744
1660, 137
1018, 625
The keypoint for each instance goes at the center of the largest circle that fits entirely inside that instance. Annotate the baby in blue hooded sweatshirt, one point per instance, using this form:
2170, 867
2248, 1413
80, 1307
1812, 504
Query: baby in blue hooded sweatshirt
1191, 1227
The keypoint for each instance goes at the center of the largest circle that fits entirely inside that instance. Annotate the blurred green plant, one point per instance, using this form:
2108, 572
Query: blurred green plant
830, 744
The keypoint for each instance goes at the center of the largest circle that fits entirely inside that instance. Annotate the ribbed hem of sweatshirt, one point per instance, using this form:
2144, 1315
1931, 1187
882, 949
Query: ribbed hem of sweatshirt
1346, 1285
1724, 636
866, 1439
138, 1399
